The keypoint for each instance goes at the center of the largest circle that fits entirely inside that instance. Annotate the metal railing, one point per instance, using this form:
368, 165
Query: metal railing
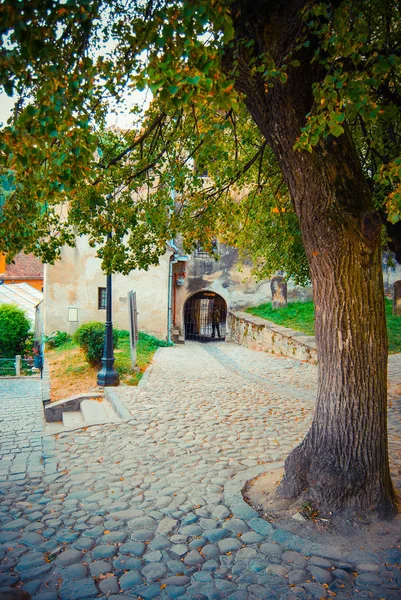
17, 367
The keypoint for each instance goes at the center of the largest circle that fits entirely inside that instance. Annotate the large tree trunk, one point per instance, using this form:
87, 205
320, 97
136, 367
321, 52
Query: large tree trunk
343, 461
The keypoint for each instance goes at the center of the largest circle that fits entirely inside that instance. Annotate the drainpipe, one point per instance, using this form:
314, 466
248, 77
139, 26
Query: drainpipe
174, 299
173, 261
175, 258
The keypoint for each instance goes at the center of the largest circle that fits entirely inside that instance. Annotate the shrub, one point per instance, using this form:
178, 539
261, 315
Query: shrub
122, 334
90, 337
57, 339
14, 330
150, 339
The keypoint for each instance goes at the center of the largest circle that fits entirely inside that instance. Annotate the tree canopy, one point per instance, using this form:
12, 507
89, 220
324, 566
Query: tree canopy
293, 109
64, 173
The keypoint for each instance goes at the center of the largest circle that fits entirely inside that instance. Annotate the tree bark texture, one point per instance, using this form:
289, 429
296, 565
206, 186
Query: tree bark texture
343, 461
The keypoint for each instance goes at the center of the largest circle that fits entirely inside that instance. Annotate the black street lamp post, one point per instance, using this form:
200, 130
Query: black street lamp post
107, 375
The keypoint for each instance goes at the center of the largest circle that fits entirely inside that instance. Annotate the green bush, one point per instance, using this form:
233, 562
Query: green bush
150, 339
90, 337
122, 334
57, 339
14, 330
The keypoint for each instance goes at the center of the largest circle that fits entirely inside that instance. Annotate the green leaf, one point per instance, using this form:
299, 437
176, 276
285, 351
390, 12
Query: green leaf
336, 130
193, 80
156, 86
339, 117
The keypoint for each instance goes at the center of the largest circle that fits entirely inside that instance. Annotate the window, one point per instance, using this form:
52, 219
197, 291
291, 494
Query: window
101, 298
199, 252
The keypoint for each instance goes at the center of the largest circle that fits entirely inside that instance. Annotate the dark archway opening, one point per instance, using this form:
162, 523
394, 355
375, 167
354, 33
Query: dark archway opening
205, 316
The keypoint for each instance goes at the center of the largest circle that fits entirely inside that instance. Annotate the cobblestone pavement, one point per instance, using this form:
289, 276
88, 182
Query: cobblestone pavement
21, 425
151, 508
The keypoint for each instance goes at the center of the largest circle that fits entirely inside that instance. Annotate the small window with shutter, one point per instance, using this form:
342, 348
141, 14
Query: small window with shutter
101, 298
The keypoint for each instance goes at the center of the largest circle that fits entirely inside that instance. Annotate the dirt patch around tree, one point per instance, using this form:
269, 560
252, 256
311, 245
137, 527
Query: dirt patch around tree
344, 530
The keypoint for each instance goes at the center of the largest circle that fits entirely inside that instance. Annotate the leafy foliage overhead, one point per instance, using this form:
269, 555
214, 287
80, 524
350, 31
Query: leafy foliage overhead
64, 173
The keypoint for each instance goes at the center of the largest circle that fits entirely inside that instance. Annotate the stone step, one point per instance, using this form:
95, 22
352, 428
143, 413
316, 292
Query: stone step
91, 412
94, 411
72, 419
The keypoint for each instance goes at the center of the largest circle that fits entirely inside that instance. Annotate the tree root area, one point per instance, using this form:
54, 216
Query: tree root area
344, 529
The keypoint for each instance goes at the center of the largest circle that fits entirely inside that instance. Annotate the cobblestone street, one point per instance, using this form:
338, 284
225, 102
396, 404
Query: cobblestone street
152, 507
21, 426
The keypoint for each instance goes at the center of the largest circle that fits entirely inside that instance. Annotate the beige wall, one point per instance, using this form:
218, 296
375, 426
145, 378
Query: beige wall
73, 281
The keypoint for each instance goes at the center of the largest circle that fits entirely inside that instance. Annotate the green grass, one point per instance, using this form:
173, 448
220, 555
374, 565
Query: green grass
69, 345
393, 329
296, 315
300, 316
147, 346
76, 370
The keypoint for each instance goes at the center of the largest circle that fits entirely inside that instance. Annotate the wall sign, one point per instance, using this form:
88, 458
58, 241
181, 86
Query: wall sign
72, 315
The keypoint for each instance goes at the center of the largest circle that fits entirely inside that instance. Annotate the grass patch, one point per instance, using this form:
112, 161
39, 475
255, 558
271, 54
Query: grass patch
71, 374
393, 329
301, 316
77, 369
296, 315
147, 346
69, 345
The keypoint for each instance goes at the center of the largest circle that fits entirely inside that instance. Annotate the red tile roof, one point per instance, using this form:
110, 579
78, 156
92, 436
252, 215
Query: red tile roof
24, 266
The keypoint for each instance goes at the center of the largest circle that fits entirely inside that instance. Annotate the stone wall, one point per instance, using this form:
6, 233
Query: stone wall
226, 277
259, 334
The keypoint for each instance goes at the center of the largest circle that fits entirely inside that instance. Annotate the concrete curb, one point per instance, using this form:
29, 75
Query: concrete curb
145, 376
116, 402
49, 434
233, 498
19, 376
241, 510
46, 384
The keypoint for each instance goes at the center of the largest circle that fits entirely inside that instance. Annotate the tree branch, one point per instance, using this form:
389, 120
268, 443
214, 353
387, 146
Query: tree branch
389, 95
138, 140
217, 193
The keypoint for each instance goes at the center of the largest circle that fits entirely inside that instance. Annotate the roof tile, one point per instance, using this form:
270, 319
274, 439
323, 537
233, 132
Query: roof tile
24, 265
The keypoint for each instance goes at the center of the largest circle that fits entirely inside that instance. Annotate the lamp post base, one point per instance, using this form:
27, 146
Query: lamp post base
107, 376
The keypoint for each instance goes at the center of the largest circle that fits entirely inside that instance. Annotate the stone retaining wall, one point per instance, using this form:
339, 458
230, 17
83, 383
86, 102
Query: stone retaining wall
259, 334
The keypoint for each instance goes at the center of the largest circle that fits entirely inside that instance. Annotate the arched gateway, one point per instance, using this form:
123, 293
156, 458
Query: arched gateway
205, 317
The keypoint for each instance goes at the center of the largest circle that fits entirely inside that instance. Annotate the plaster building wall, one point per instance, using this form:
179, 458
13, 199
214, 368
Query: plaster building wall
73, 282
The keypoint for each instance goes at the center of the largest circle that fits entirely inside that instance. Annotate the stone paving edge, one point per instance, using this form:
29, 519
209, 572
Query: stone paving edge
145, 376
116, 402
233, 488
240, 509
